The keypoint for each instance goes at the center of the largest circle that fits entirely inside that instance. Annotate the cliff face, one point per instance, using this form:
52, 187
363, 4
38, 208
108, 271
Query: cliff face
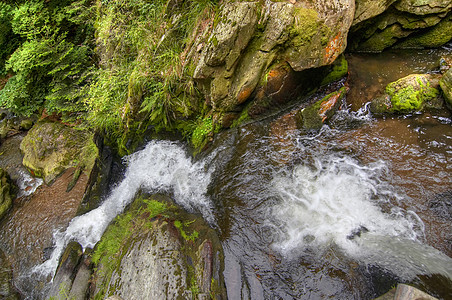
254, 54
249, 42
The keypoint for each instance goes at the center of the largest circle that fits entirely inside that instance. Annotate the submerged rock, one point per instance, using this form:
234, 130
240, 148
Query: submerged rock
405, 292
51, 147
412, 93
6, 193
7, 290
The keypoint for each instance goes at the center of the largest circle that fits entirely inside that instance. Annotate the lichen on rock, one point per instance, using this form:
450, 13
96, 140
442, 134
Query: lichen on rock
52, 147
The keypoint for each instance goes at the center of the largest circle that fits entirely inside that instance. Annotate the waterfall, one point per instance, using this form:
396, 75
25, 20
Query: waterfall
162, 166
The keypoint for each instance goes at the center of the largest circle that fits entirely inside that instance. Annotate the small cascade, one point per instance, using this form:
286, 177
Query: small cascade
162, 166
338, 201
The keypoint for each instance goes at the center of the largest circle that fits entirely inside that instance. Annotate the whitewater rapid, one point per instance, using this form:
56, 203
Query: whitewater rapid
162, 166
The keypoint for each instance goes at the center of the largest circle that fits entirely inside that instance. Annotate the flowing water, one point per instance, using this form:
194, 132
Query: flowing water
160, 167
343, 213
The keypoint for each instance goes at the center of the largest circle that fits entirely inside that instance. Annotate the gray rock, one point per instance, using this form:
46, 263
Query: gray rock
152, 268
366, 9
406, 292
62, 281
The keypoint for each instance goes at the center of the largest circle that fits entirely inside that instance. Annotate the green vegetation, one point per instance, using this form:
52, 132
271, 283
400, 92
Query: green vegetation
201, 132
182, 228
123, 229
119, 67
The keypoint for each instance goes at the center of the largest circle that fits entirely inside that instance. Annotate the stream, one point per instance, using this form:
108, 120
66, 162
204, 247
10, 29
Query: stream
346, 212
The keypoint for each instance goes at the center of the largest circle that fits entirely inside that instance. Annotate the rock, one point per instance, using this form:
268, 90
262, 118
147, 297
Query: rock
437, 36
51, 147
406, 292
338, 70
404, 24
65, 273
424, 7
446, 86
80, 285
249, 37
26, 124
366, 9
412, 93
164, 253
6, 193
313, 116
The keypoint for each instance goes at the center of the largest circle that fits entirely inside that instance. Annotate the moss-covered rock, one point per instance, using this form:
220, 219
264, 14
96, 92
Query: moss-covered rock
401, 25
6, 193
412, 93
156, 251
249, 38
424, 7
51, 147
338, 70
315, 115
446, 86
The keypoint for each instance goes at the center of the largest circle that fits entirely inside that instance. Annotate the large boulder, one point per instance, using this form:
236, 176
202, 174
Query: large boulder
403, 24
6, 193
52, 147
412, 93
446, 86
251, 39
156, 251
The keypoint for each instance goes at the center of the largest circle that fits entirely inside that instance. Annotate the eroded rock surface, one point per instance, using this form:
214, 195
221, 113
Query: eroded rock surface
251, 39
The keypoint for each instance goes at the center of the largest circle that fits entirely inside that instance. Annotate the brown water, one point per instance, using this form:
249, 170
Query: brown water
275, 247
26, 234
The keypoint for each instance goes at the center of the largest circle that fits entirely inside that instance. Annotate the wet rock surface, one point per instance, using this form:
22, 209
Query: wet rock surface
416, 92
251, 36
6, 193
50, 148
169, 256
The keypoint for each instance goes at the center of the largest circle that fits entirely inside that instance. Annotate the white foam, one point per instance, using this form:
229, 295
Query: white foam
328, 202
161, 167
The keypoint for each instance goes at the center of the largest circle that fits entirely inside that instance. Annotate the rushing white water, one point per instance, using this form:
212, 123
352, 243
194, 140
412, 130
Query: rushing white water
338, 201
161, 167
28, 184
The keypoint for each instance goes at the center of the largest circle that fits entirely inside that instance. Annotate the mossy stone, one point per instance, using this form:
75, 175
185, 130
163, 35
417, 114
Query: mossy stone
6, 193
410, 93
49, 148
446, 87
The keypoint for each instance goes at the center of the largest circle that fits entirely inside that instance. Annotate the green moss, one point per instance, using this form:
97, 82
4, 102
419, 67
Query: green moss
305, 27
182, 229
338, 71
408, 98
201, 133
